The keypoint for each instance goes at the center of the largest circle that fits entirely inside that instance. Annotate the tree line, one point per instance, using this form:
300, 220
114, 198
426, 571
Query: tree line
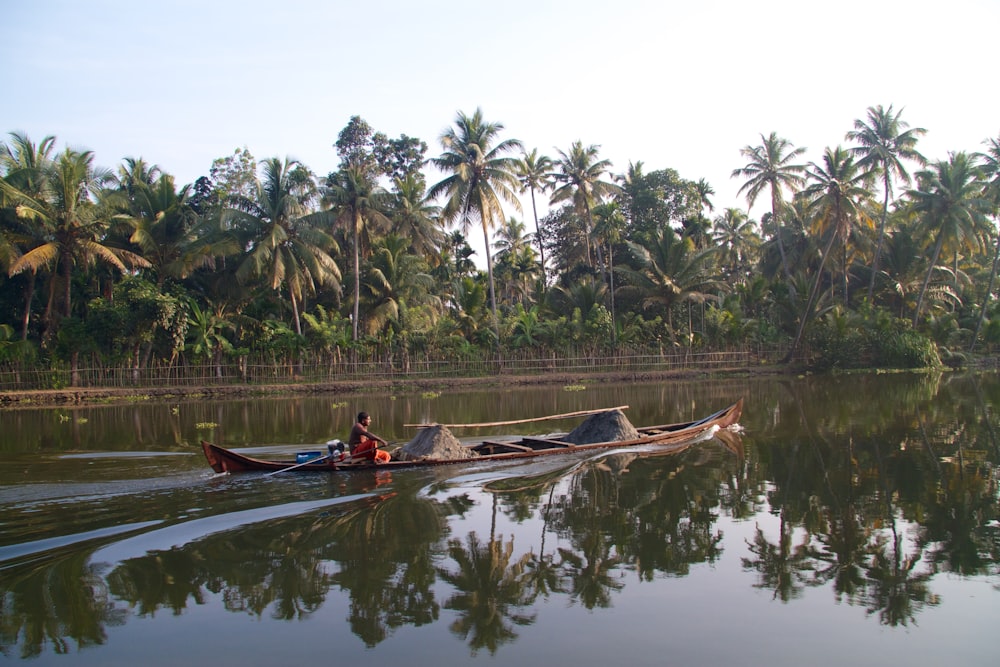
870, 255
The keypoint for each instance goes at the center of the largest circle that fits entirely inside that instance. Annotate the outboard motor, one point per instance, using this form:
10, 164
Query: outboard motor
336, 449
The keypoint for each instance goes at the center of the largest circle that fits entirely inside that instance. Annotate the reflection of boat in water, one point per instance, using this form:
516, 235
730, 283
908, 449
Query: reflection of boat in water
226, 460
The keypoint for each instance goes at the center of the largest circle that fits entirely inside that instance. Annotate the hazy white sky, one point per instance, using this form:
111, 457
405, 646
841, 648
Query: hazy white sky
672, 84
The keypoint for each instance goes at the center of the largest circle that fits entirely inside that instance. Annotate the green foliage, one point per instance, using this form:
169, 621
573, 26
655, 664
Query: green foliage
907, 349
13, 349
871, 339
722, 326
74, 337
279, 340
206, 333
327, 330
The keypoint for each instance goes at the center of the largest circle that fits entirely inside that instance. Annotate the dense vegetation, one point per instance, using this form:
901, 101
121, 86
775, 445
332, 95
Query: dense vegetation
869, 255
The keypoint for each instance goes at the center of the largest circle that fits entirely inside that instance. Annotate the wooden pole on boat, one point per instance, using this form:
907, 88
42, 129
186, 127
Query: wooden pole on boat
566, 415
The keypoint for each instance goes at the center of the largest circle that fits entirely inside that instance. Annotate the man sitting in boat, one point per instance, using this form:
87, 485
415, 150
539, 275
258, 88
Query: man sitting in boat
364, 444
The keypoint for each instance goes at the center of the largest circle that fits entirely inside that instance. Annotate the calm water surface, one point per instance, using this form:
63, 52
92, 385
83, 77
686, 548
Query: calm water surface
853, 521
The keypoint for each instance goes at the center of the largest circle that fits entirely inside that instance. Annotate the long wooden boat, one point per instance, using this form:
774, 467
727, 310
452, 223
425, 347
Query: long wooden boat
226, 460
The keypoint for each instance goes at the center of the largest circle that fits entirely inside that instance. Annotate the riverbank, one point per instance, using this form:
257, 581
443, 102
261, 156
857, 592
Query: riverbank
92, 395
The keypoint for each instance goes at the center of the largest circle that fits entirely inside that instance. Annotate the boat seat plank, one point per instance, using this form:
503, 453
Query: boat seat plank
548, 441
506, 445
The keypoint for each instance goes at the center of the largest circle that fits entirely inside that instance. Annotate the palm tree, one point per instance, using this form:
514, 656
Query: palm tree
135, 173
206, 334
704, 192
885, 142
950, 204
534, 172
287, 244
163, 223
23, 164
736, 234
414, 217
67, 206
357, 202
672, 271
481, 175
835, 199
396, 281
516, 256
991, 170
697, 225
609, 229
579, 173
770, 166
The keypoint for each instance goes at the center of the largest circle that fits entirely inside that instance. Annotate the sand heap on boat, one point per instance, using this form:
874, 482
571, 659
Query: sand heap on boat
434, 442
610, 426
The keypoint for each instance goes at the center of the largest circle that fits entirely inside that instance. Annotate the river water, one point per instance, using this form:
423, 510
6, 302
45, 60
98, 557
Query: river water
852, 520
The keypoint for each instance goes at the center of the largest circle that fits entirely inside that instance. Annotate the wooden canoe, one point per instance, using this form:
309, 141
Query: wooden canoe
226, 460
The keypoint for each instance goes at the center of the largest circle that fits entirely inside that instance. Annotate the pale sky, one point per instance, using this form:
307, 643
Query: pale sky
683, 85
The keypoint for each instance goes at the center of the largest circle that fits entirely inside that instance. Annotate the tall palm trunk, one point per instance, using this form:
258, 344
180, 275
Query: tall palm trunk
538, 238
846, 291
489, 271
295, 310
357, 273
590, 228
810, 304
775, 207
986, 299
28, 297
611, 292
67, 263
878, 245
927, 279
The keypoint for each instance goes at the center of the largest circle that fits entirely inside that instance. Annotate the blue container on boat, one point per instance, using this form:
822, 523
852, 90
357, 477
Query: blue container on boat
303, 457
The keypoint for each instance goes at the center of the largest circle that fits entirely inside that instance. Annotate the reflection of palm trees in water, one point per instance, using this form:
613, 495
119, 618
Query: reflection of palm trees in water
895, 589
780, 566
544, 575
490, 588
386, 555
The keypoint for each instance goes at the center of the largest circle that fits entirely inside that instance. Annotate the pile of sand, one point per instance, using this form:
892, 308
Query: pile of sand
611, 426
434, 442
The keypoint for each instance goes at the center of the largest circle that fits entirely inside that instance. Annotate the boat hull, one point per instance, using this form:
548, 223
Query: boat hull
224, 460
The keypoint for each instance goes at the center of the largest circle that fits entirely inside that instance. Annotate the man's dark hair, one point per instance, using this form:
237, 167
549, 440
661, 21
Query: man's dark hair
362, 416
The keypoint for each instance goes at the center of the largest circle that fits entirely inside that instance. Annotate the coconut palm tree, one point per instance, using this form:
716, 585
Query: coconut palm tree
835, 201
990, 164
22, 163
286, 244
357, 202
134, 173
885, 142
609, 229
67, 206
163, 225
534, 172
949, 201
672, 271
481, 174
395, 281
414, 217
736, 234
517, 257
770, 167
578, 173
